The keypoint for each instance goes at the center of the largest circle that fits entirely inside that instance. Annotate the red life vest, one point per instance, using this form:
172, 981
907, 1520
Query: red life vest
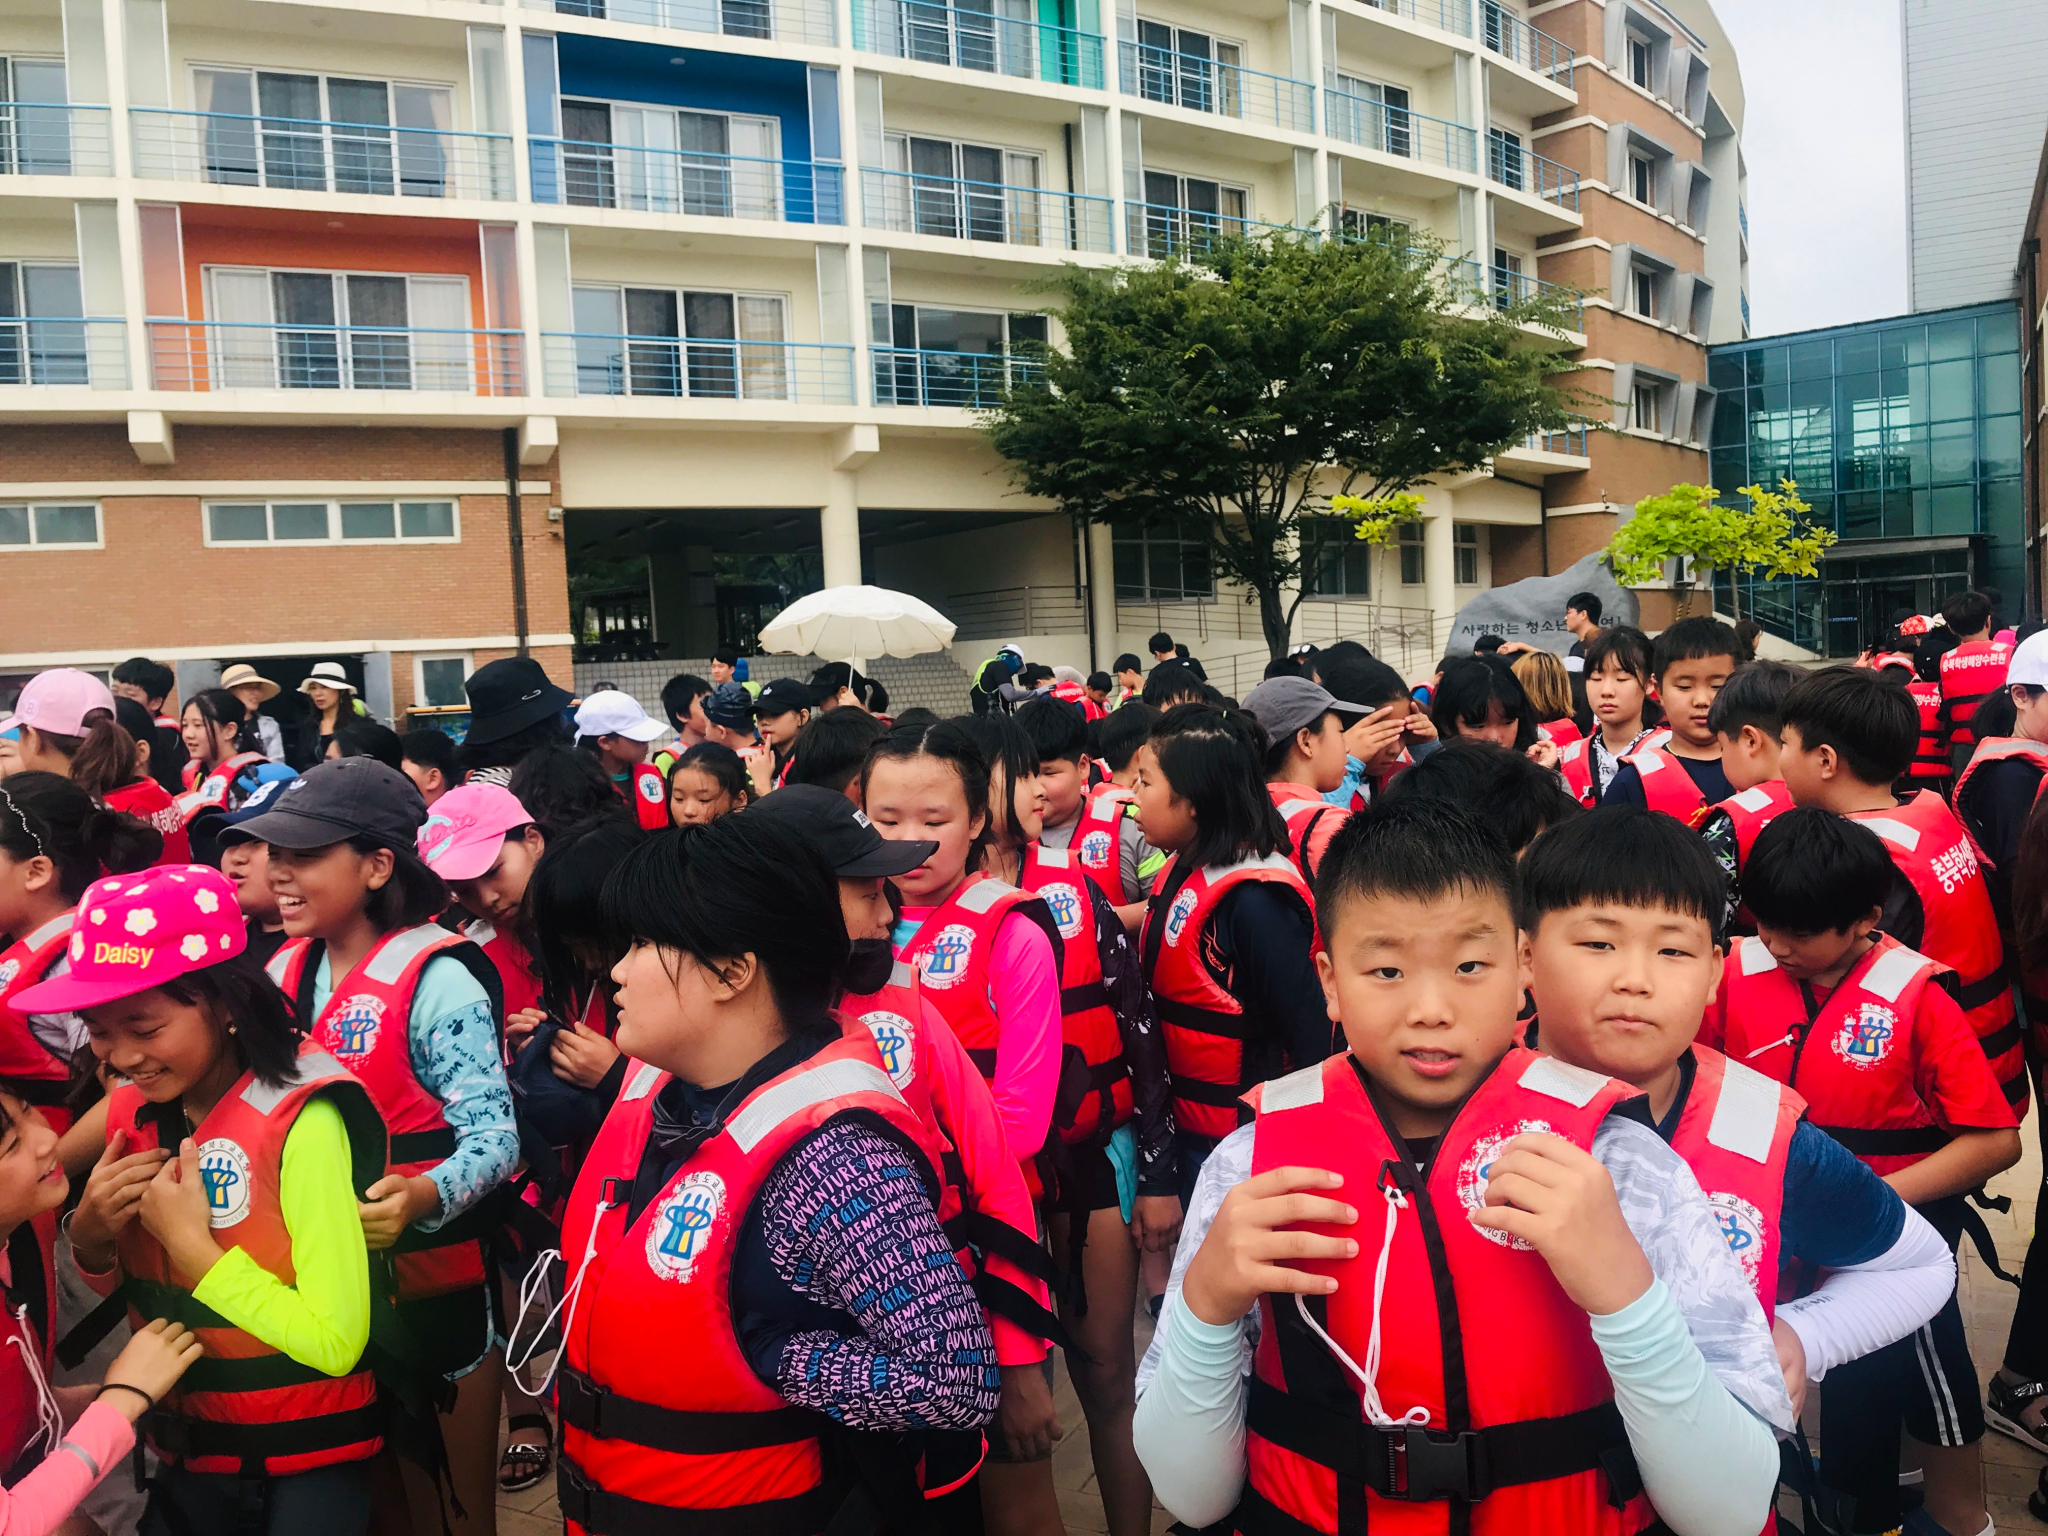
1970, 674
1305, 812
1996, 749
1562, 732
366, 1025
1933, 851
649, 794
1850, 1059
1735, 1133
1575, 764
1088, 1025
1207, 1051
216, 791
27, 1066
1929, 760
513, 963
247, 1408
1667, 787
894, 1018
663, 1420
147, 800
26, 1337
1521, 1410
1098, 841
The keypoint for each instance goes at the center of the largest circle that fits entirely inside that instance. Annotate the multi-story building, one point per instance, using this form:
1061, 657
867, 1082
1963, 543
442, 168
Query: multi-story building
347, 327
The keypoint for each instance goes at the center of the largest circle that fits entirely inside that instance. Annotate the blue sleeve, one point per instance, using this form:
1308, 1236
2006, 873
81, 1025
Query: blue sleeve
1625, 788
456, 1057
1837, 1212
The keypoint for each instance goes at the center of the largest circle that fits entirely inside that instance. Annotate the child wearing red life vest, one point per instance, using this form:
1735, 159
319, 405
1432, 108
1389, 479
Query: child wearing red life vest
1971, 671
708, 781
1305, 759
1618, 913
67, 724
1473, 1275
1747, 717
236, 1154
1617, 674
1682, 776
612, 727
781, 710
1479, 698
1095, 825
1865, 1031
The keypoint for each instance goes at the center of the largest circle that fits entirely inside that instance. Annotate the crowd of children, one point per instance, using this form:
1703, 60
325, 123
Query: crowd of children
1511, 1095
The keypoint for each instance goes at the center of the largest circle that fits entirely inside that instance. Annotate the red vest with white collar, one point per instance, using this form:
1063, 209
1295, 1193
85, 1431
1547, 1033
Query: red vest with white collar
1305, 811
1098, 841
1970, 674
649, 793
1998, 749
952, 952
894, 1020
1667, 787
27, 1066
1751, 810
1851, 1060
1206, 1028
512, 961
1575, 763
1473, 1327
1088, 1025
1735, 1133
216, 790
668, 1426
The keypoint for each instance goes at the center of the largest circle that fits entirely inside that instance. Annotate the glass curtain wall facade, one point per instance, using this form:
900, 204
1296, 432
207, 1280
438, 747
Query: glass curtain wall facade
1905, 436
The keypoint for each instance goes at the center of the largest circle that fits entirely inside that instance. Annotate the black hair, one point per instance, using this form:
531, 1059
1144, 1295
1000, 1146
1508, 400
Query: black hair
1034, 673
134, 718
1055, 729
1692, 640
218, 707
1753, 695
1811, 871
1587, 603
1873, 725
1171, 683
560, 787
266, 1032
677, 695
1506, 791
1488, 645
1624, 856
831, 748
1748, 634
1470, 689
1335, 651
1212, 759
1996, 715
551, 730
1361, 679
1101, 681
835, 675
1008, 746
1932, 646
152, 677
430, 749
1124, 732
727, 654
1284, 666
951, 742
1968, 612
741, 885
918, 716
366, 738
1127, 663
1160, 641
1419, 849
564, 911
724, 767
47, 814
413, 895
102, 756
1623, 644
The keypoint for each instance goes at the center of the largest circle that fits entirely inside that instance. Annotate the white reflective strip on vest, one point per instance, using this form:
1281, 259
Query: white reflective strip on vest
792, 1096
1757, 957
1561, 1080
1756, 799
1746, 1115
984, 894
902, 974
1106, 808
1890, 971
1054, 858
400, 950
1297, 1090
1647, 762
643, 1080
278, 962
479, 932
263, 1098
1893, 831
1270, 861
1294, 810
51, 929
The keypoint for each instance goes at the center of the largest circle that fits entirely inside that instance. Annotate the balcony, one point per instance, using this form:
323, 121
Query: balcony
1512, 287
582, 174
55, 139
984, 210
1399, 132
583, 363
1569, 440
927, 33
1505, 33
1742, 218
1523, 170
1461, 272
962, 380
1444, 15
782, 21
305, 155
207, 355
1158, 230
1197, 84
88, 353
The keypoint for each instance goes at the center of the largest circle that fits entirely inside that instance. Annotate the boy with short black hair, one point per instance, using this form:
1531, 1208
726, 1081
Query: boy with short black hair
427, 757
1506, 791
1747, 717
1581, 1261
1864, 1029
1971, 672
151, 684
1689, 662
1097, 824
831, 750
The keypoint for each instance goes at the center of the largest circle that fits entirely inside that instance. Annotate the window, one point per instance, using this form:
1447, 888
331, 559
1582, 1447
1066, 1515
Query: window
1334, 562
1374, 115
1647, 407
1411, 554
338, 330
323, 133
1188, 213
42, 329
1189, 69
1357, 224
1641, 57
43, 525
35, 125
965, 191
437, 681
1509, 283
1642, 178
1157, 565
1504, 158
1465, 554
329, 522
1644, 282
661, 160
668, 341
988, 36
956, 357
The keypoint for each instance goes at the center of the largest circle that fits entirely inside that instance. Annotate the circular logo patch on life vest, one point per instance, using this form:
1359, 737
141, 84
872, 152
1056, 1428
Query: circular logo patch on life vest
224, 1170
1742, 1228
1865, 1037
680, 1234
9, 969
650, 789
1478, 1163
1178, 914
1095, 847
892, 1044
1065, 902
945, 963
351, 1031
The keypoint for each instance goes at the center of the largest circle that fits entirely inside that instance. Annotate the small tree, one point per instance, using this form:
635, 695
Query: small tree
1230, 394
1772, 535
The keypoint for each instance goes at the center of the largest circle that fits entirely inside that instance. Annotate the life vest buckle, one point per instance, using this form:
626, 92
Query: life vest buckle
1423, 1464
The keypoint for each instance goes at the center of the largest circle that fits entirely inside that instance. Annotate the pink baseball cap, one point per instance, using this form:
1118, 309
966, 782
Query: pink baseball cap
465, 830
57, 702
134, 932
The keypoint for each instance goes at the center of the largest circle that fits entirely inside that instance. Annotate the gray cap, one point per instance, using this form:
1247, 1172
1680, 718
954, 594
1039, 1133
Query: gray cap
342, 798
1283, 705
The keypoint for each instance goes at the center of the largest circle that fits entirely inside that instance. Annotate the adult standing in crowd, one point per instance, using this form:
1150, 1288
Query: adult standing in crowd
514, 707
991, 676
334, 701
256, 690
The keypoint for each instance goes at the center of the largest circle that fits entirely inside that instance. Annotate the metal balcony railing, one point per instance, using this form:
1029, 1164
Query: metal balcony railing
1010, 611
677, 368
83, 351
1445, 15
1505, 33
583, 174
1199, 84
1157, 230
1512, 287
1464, 273
984, 210
1568, 439
309, 155
1742, 218
931, 33
1520, 169
789, 21
1398, 131
55, 138
216, 355
970, 380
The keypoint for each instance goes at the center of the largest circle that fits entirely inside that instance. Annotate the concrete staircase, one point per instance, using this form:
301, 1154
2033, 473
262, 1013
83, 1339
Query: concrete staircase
935, 682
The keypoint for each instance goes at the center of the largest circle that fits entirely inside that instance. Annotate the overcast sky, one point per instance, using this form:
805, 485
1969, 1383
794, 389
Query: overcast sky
1824, 138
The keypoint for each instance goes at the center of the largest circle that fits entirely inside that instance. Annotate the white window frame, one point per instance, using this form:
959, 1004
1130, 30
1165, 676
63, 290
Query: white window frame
1226, 84
1659, 391
1162, 538
334, 537
1637, 277
1466, 546
1632, 42
419, 673
1411, 537
1336, 532
784, 346
391, 84
99, 525
1642, 173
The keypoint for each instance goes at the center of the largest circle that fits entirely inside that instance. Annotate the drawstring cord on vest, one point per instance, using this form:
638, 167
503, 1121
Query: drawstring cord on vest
1790, 1039
49, 1419
530, 1290
1375, 1410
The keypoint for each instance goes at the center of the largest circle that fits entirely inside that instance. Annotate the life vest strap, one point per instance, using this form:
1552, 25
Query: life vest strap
601, 1513
979, 1230
259, 1373
435, 1146
153, 1299
1195, 1091
1205, 1021
1089, 994
180, 1438
597, 1410
1902, 1142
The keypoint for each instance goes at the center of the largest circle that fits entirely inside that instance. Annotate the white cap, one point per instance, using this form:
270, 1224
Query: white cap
609, 712
2029, 664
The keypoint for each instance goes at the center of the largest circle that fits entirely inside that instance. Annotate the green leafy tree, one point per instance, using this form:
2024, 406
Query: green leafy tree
1774, 534
1231, 394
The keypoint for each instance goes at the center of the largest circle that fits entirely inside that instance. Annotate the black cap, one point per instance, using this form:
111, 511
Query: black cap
508, 695
730, 705
342, 798
835, 826
782, 696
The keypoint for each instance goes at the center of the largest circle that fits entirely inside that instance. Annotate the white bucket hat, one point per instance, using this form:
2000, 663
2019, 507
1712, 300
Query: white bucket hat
328, 674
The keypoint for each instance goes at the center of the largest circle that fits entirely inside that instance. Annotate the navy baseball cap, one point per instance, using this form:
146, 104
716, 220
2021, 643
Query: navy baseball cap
730, 705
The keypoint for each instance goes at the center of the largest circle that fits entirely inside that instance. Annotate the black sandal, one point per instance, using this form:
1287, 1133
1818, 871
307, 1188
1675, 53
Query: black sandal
524, 1465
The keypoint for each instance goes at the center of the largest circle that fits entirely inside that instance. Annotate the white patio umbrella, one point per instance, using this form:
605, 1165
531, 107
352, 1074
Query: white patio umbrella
851, 624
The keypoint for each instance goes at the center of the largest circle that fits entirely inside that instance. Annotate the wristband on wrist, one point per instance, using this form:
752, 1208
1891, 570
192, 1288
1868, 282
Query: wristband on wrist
122, 1386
